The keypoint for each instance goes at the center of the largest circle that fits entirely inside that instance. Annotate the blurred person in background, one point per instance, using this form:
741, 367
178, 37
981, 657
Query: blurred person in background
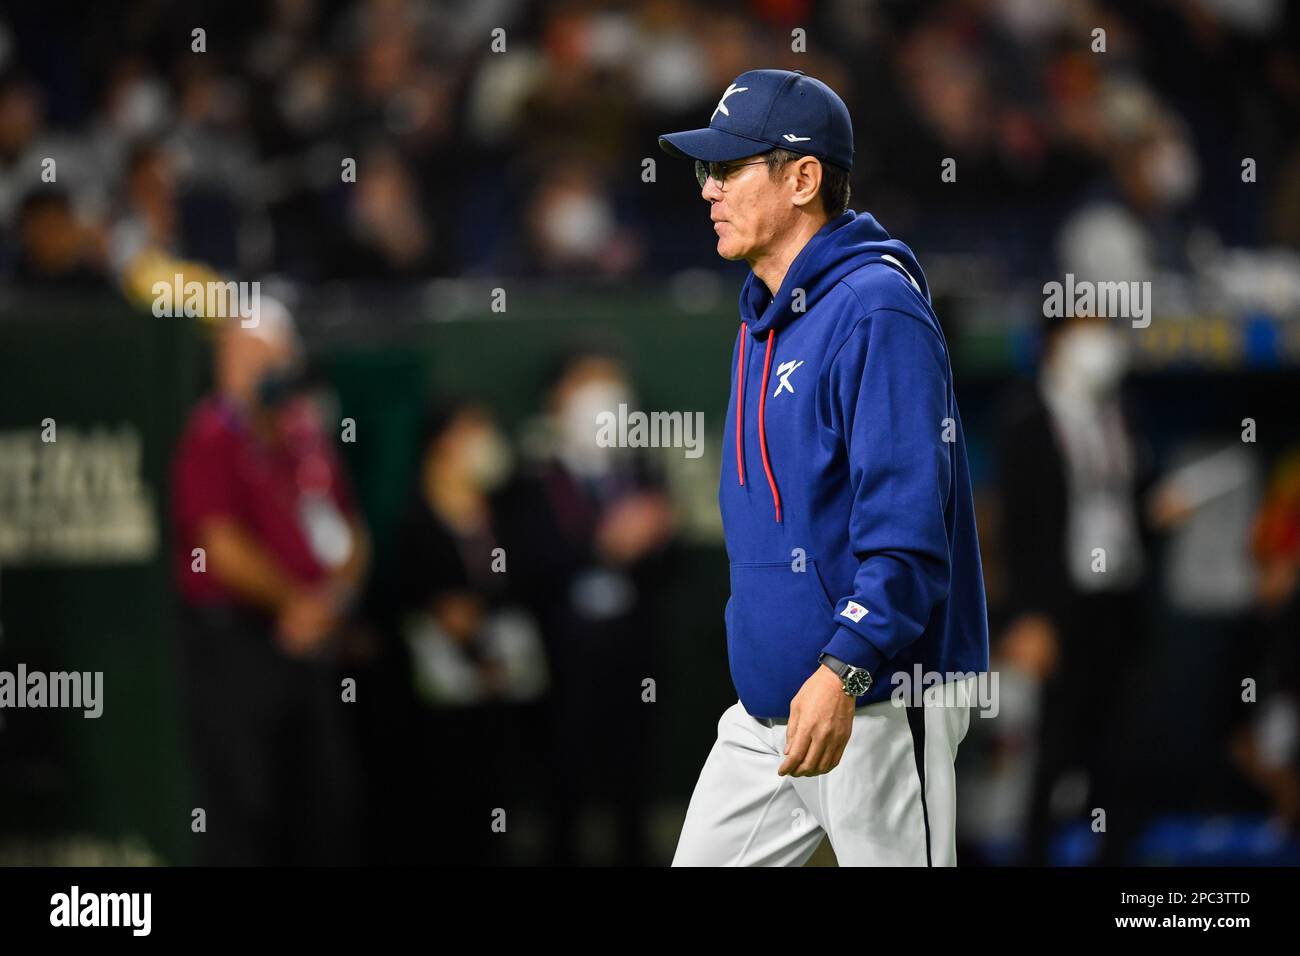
589, 532
56, 252
50, 181
1137, 218
476, 660
148, 222
1204, 505
1072, 469
258, 488
20, 123
573, 229
389, 236
146, 240
1265, 733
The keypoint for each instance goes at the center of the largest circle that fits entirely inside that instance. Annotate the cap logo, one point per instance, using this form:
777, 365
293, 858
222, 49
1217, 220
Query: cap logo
791, 138
722, 103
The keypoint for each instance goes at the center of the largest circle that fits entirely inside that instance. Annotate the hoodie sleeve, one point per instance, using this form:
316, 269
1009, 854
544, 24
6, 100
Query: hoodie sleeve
888, 398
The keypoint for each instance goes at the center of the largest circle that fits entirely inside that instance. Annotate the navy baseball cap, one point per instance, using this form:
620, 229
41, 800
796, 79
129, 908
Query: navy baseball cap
766, 109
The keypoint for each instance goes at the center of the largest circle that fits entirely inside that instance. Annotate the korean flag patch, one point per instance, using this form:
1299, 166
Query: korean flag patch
854, 611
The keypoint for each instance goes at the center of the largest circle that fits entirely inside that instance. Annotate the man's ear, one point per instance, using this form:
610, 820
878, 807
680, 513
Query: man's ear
807, 171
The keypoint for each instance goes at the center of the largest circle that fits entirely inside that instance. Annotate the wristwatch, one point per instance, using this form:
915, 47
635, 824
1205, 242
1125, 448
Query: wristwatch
856, 680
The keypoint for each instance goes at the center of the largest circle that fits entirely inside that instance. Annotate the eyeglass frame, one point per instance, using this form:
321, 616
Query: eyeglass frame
704, 171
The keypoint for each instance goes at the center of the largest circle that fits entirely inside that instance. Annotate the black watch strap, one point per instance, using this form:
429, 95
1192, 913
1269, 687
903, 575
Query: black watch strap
856, 680
834, 663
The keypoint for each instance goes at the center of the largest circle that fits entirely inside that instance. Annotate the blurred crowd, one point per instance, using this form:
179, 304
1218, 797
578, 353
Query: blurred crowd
497, 137
504, 659
1144, 605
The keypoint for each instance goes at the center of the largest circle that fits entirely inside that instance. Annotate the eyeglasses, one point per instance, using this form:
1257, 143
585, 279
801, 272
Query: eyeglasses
719, 172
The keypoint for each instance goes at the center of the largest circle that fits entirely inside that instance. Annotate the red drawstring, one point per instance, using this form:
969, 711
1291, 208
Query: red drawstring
740, 406
762, 406
762, 430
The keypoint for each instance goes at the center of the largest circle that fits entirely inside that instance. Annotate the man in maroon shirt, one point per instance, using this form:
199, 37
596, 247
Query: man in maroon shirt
269, 556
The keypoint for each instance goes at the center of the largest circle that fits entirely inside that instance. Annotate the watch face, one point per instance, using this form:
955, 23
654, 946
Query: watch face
857, 681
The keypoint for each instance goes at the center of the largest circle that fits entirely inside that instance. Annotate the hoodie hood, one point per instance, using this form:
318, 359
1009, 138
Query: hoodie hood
838, 248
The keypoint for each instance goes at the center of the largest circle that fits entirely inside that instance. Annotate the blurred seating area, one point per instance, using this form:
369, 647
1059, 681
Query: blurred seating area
526, 158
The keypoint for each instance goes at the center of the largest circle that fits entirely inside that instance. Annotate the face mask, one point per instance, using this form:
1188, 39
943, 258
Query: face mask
578, 424
585, 404
299, 423
578, 225
488, 459
1171, 169
141, 108
277, 386
1093, 358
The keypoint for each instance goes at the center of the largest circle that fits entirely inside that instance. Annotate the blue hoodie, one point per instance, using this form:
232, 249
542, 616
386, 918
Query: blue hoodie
845, 492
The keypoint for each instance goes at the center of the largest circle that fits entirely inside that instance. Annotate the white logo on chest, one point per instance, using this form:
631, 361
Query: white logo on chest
783, 372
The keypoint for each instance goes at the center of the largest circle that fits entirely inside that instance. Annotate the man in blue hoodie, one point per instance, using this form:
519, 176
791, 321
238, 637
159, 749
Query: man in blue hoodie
856, 626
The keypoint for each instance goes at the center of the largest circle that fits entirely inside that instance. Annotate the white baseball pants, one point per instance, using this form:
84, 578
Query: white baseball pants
891, 800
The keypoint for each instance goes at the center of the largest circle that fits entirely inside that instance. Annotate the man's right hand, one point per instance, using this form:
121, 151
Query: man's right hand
306, 621
634, 527
1031, 642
